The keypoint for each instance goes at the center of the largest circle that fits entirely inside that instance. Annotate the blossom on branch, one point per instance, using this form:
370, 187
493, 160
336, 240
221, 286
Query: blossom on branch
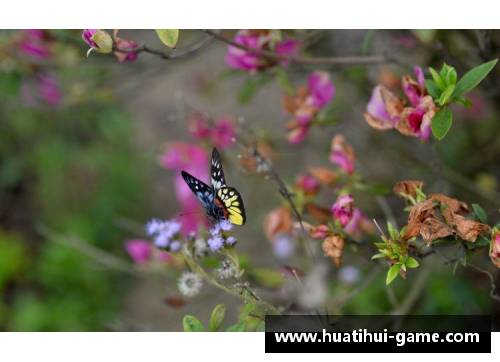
125, 44
343, 209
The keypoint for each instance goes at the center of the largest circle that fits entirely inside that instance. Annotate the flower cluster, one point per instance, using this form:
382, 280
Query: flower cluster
306, 104
190, 284
386, 110
166, 234
222, 134
221, 235
259, 40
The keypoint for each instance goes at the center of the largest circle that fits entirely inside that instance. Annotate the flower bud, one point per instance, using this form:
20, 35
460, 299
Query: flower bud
98, 40
495, 249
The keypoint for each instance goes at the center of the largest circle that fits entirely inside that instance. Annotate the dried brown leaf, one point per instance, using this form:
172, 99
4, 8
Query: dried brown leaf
466, 229
332, 247
408, 187
457, 207
432, 229
418, 214
277, 222
321, 214
324, 175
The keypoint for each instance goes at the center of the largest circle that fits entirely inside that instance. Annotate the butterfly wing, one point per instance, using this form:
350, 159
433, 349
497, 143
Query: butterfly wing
216, 174
229, 199
202, 191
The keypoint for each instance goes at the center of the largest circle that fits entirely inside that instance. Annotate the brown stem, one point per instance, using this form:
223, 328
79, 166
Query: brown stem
351, 60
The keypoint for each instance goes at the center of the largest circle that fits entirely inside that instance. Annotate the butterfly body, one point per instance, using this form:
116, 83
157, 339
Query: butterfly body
220, 201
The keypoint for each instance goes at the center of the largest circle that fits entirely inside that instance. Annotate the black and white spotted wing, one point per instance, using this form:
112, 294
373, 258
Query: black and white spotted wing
202, 191
217, 178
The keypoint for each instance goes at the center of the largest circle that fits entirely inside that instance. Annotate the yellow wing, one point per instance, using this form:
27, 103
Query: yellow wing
232, 203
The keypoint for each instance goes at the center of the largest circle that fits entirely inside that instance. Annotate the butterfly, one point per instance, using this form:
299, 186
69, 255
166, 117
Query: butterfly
220, 201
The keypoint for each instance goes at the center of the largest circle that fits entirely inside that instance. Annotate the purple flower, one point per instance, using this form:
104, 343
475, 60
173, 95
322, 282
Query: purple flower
349, 274
139, 250
342, 154
322, 89
34, 44
231, 240
283, 246
164, 232
215, 243
226, 225
175, 246
376, 112
98, 40
343, 209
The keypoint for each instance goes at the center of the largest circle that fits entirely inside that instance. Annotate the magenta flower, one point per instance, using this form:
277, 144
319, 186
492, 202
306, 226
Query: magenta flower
376, 114
343, 209
48, 89
322, 89
308, 184
34, 44
139, 250
193, 159
259, 40
224, 133
415, 91
87, 36
125, 44
342, 154
495, 248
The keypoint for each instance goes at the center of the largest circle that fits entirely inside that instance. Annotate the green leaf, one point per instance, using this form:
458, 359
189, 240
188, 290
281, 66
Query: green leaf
217, 318
441, 123
392, 232
268, 278
480, 213
481, 241
451, 77
367, 42
411, 263
446, 94
437, 79
466, 102
284, 82
238, 327
473, 77
378, 256
168, 37
248, 91
432, 88
376, 189
261, 327
425, 35
191, 324
392, 273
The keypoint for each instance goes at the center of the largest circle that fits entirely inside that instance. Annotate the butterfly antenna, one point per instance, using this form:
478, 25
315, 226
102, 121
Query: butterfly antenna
191, 213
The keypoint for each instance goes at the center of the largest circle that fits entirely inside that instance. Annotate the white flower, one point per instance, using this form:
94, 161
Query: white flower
190, 284
200, 248
227, 269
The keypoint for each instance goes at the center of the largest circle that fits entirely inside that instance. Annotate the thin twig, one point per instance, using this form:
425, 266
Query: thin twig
173, 56
275, 58
492, 281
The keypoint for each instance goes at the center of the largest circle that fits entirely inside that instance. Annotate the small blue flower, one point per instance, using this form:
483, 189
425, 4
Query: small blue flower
226, 225
153, 227
162, 241
175, 246
283, 246
215, 231
231, 240
171, 228
215, 243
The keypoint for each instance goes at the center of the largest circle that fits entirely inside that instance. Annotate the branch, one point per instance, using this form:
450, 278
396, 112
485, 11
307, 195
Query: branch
188, 51
275, 58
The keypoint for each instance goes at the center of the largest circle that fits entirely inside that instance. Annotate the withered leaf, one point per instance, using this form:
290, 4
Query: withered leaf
324, 175
418, 214
457, 207
377, 123
332, 247
432, 229
393, 103
466, 229
408, 187
277, 222
321, 214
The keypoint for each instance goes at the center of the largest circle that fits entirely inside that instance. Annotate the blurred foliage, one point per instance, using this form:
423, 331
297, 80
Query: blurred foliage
70, 167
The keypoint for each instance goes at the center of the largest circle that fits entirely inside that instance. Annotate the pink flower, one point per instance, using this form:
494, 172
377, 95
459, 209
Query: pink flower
322, 89
306, 105
48, 88
193, 159
342, 154
343, 209
307, 183
415, 91
376, 114
320, 232
358, 224
34, 44
224, 133
495, 248
139, 250
125, 44
259, 40
87, 35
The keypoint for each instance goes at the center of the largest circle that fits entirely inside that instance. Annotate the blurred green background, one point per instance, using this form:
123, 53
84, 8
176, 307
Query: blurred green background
79, 158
